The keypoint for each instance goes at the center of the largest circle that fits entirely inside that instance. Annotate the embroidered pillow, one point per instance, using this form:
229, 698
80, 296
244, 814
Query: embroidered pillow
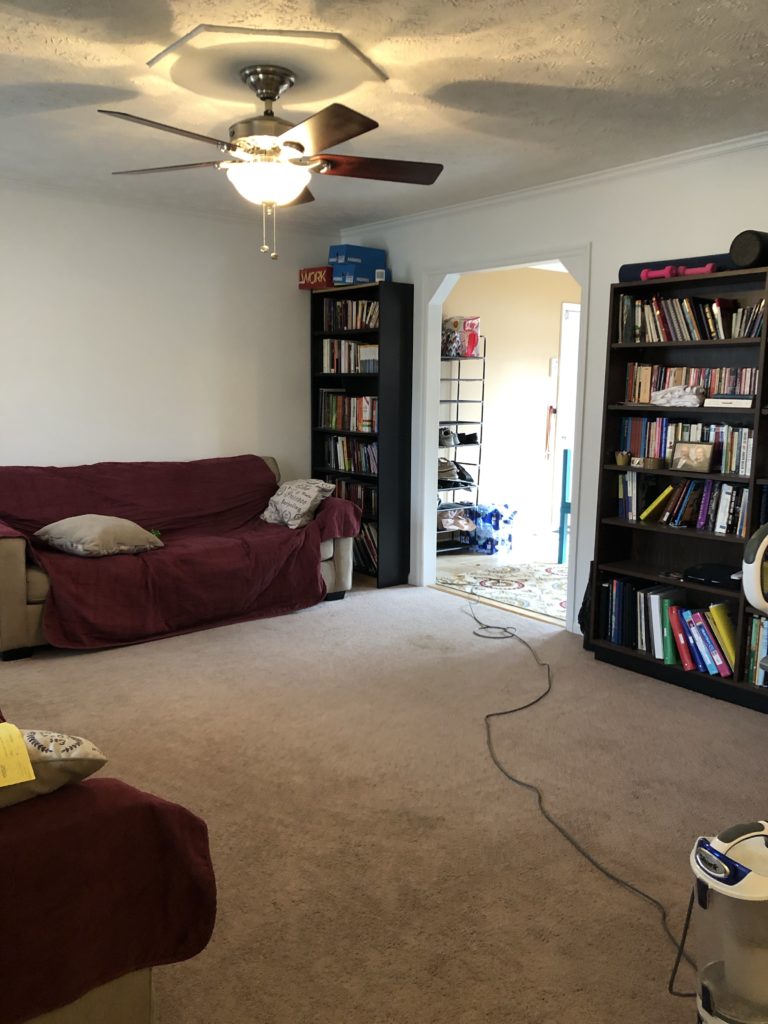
294, 503
56, 760
94, 536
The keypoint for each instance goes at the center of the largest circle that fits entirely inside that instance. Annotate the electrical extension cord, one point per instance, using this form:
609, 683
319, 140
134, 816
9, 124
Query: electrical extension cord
487, 631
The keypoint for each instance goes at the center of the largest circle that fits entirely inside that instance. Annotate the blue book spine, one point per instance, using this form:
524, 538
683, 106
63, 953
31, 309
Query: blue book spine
683, 503
694, 647
701, 647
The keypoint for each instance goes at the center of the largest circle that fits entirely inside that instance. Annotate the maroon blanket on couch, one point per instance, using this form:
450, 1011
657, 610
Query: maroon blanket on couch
98, 879
221, 563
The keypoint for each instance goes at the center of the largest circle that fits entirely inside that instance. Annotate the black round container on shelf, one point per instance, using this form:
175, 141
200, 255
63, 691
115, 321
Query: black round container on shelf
750, 249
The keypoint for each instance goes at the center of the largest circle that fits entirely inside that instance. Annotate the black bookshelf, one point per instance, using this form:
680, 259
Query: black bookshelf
644, 554
390, 385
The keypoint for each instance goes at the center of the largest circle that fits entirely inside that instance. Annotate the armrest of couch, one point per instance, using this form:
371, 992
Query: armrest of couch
13, 589
339, 521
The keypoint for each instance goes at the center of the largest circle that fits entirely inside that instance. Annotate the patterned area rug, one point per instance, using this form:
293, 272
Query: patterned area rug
536, 587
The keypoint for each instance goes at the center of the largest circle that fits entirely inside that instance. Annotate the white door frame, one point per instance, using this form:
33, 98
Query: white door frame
432, 289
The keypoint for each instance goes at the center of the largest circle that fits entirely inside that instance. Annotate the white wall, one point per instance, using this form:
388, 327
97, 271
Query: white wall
692, 204
133, 333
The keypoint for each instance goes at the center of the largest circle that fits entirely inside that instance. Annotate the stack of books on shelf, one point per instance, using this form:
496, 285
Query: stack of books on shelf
659, 621
645, 437
757, 649
687, 319
350, 314
343, 356
351, 456
366, 555
339, 412
721, 381
366, 496
711, 505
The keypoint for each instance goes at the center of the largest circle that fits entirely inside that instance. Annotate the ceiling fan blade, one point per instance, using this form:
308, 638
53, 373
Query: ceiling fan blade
169, 128
305, 197
409, 171
328, 127
172, 167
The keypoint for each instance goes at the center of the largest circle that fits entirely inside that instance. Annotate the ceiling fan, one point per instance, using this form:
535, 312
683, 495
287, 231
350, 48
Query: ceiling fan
270, 161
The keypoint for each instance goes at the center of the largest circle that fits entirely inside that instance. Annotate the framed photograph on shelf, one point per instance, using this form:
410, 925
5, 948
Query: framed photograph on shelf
693, 456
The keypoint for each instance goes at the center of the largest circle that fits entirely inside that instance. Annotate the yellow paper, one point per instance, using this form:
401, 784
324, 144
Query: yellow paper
15, 765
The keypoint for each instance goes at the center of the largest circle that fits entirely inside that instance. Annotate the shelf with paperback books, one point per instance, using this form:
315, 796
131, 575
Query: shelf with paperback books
342, 355
698, 487
361, 367
660, 319
697, 504
655, 437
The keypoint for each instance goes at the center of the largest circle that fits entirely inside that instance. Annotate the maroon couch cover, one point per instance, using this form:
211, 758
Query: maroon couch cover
221, 563
98, 879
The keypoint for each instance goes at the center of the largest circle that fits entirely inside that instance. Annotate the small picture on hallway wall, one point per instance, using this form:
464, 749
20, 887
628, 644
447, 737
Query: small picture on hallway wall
693, 456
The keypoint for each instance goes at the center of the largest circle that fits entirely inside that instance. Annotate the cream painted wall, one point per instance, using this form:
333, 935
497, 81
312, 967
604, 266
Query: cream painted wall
691, 204
131, 333
520, 313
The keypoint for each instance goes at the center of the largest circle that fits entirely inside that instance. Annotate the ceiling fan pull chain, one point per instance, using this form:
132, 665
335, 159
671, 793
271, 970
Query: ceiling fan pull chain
263, 247
273, 211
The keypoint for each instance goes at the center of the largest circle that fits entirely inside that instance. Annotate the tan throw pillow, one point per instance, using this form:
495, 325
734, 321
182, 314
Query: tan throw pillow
294, 503
56, 760
93, 536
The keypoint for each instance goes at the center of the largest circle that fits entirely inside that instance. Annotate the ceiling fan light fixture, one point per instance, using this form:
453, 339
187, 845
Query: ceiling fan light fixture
269, 181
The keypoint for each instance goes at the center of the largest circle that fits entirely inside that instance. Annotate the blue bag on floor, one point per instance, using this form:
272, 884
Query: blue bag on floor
493, 528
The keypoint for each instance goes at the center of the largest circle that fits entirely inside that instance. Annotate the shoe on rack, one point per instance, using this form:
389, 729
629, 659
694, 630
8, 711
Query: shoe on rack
464, 475
448, 438
468, 438
447, 471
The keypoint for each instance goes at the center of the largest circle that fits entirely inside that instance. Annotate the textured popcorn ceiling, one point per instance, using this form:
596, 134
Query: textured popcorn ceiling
505, 93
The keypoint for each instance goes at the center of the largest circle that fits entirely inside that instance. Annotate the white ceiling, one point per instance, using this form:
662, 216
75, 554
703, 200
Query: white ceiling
506, 93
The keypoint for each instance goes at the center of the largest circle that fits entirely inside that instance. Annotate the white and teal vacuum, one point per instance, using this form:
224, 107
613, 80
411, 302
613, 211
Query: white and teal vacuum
731, 872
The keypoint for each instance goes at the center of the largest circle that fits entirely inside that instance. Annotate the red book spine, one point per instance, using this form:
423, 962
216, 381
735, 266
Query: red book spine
680, 641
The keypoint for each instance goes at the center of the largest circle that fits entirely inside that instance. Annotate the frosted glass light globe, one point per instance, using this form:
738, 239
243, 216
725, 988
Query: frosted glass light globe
269, 181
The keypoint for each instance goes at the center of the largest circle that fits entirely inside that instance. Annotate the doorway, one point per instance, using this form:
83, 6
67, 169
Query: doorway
509, 496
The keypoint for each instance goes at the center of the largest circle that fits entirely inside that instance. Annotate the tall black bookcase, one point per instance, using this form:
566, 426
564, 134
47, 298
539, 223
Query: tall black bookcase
667, 323
362, 361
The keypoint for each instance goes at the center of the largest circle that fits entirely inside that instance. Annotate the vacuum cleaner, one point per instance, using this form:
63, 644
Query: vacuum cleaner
731, 871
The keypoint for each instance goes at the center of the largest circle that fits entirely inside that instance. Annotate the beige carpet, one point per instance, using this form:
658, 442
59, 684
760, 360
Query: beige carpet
372, 864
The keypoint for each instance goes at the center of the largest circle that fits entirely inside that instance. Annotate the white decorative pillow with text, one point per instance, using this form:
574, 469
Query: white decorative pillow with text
294, 503
57, 759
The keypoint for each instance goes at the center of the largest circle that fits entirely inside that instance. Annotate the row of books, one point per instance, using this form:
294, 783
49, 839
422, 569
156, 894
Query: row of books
647, 437
644, 378
337, 411
364, 495
351, 456
659, 621
713, 506
366, 549
757, 649
350, 314
662, 320
343, 356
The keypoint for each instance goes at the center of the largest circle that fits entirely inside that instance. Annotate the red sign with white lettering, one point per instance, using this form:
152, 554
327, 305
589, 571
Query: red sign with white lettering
316, 277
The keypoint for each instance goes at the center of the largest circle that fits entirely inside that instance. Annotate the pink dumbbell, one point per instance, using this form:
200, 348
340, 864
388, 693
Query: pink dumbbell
705, 268
648, 275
